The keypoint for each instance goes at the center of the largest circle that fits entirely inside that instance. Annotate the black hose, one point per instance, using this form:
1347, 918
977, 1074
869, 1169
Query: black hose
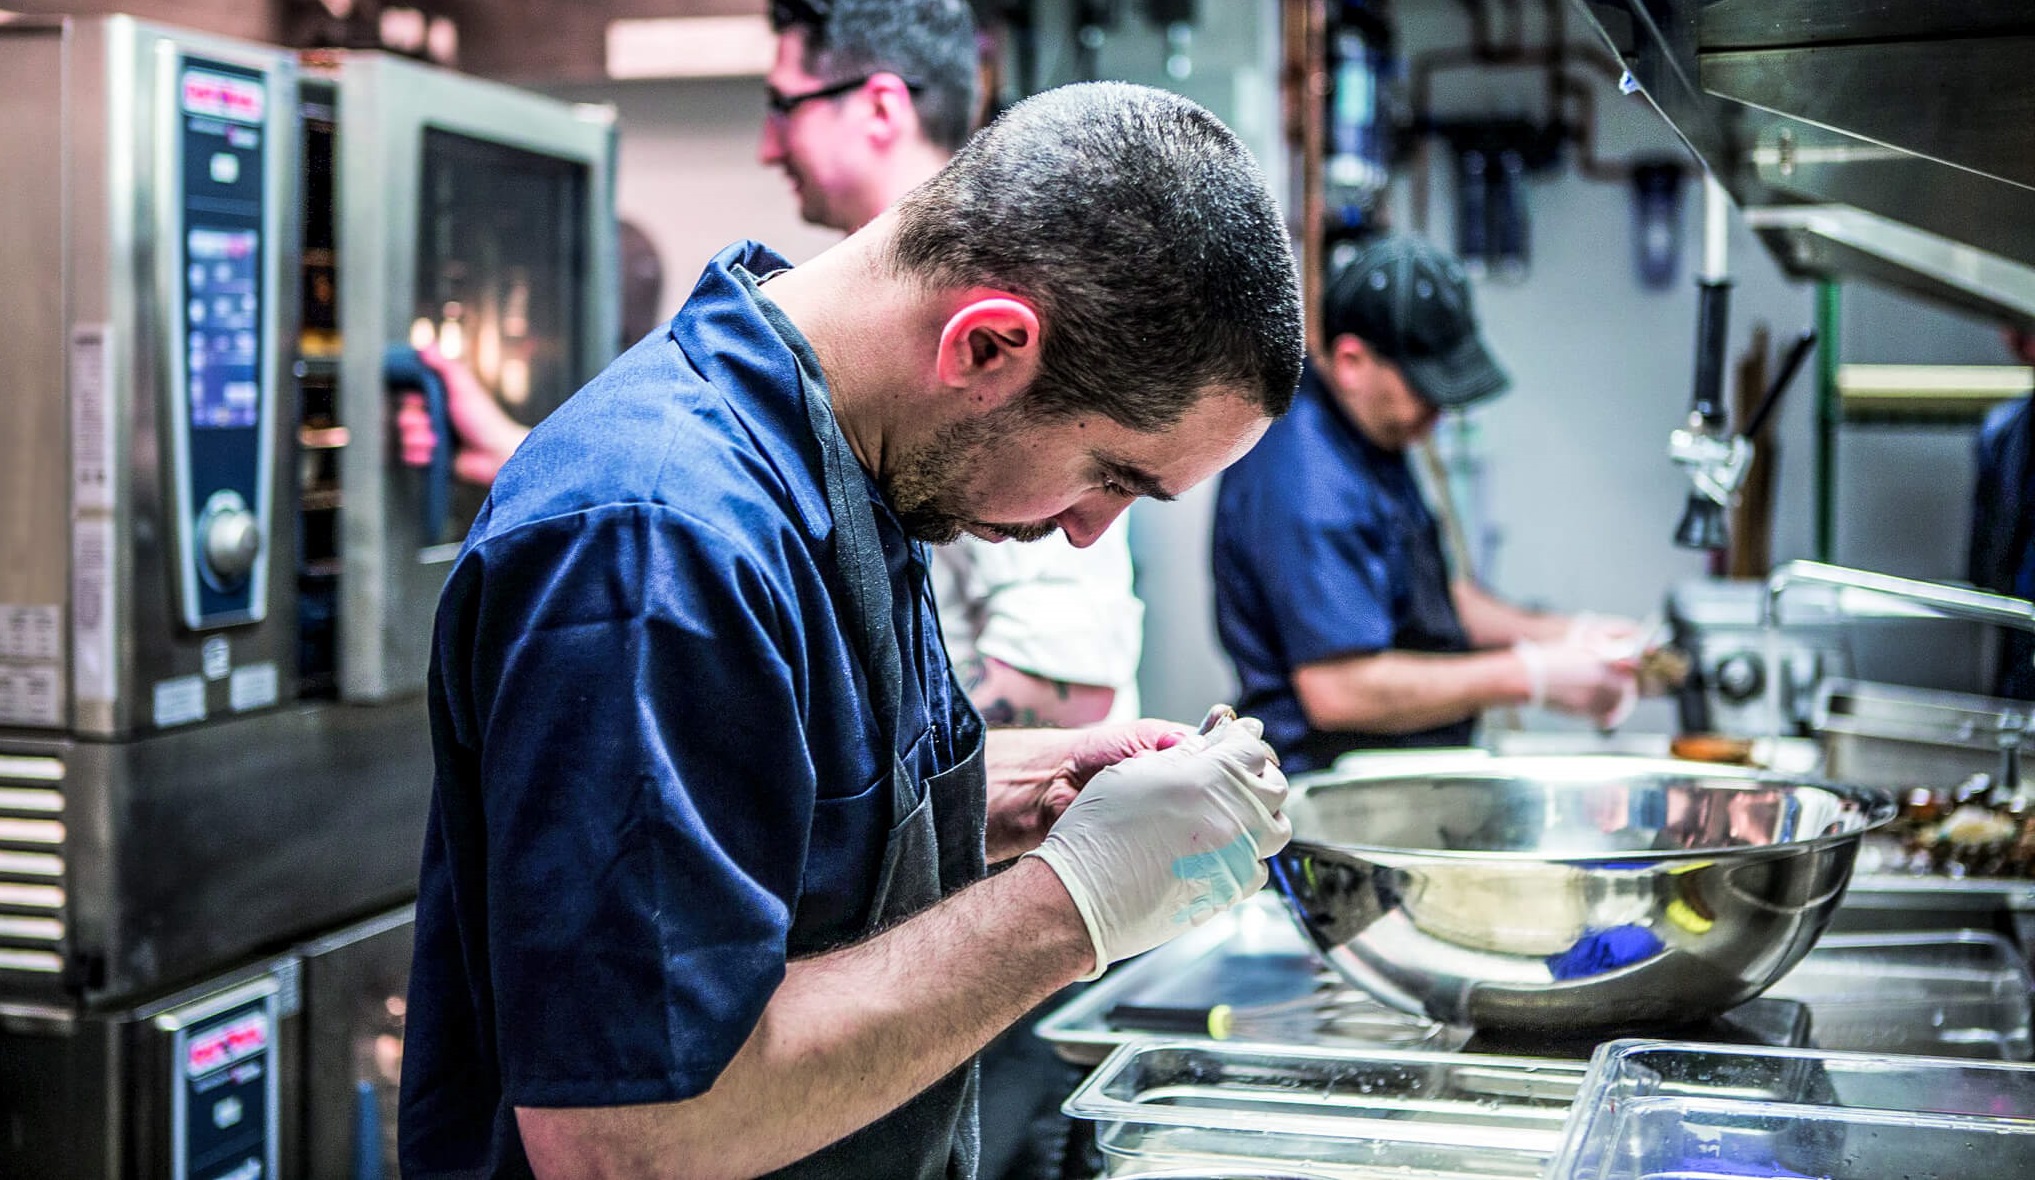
1713, 321
1798, 353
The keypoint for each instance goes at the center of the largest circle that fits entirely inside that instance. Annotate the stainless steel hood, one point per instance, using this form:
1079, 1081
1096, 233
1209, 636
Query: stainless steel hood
1892, 140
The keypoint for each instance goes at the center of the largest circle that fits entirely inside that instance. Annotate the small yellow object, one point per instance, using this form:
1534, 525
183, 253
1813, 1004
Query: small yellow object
1682, 914
1221, 1021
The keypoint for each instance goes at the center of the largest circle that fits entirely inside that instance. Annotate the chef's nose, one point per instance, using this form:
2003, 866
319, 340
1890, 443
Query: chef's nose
1086, 521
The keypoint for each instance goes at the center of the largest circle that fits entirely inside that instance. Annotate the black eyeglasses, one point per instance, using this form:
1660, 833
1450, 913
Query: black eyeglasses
782, 105
812, 13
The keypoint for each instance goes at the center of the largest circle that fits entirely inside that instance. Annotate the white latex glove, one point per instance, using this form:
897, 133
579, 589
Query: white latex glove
1607, 635
1165, 841
1571, 678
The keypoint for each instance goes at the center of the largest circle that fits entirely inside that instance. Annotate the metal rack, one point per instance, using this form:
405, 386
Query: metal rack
1852, 396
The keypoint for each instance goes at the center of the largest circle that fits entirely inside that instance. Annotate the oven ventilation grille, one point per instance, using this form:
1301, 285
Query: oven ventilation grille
31, 865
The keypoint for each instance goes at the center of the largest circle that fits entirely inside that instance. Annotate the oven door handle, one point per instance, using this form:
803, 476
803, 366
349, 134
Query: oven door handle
404, 371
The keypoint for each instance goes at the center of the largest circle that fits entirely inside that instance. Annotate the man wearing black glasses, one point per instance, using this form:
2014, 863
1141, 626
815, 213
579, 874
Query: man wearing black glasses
867, 99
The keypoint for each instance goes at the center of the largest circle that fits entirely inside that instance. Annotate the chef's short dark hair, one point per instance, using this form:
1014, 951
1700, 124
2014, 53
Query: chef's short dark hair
928, 43
1142, 229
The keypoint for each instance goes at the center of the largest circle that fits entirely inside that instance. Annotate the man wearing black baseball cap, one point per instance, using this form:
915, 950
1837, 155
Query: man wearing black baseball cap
1332, 595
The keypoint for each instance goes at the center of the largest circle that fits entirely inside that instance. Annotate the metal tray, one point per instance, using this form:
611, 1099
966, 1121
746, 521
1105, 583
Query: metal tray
1212, 1172
1339, 1113
1788, 755
1903, 891
1961, 994
1249, 958
1654, 1110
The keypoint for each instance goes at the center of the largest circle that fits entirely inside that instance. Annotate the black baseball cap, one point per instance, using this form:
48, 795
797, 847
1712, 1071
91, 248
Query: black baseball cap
1410, 302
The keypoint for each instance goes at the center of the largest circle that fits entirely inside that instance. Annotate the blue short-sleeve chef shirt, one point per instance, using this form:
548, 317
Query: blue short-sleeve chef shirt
1325, 548
659, 774
2003, 532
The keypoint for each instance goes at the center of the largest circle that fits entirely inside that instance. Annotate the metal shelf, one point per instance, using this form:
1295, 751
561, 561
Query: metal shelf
1927, 395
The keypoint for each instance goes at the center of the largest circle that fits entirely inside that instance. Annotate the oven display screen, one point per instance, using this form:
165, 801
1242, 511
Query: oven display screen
222, 111
224, 314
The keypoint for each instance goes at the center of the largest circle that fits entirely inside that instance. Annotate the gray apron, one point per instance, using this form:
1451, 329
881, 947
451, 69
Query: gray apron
934, 845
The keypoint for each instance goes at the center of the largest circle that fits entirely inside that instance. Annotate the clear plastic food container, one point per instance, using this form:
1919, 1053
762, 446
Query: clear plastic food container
1166, 1106
1254, 965
1657, 1110
1960, 994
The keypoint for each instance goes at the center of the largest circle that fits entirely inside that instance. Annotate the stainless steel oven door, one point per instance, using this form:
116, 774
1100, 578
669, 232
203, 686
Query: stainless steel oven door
480, 218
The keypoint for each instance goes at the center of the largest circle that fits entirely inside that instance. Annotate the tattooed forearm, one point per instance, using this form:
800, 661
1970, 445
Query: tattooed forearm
1008, 697
1000, 713
971, 672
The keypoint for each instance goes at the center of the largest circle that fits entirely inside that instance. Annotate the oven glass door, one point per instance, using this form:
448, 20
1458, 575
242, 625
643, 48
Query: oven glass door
501, 257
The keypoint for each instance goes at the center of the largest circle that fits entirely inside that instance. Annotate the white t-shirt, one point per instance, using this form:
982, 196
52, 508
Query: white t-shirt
1046, 608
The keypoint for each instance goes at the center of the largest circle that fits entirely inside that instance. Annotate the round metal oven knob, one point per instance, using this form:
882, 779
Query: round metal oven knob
230, 537
1740, 677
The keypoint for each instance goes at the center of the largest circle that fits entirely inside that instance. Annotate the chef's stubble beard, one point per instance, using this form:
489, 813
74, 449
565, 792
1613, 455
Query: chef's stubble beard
929, 487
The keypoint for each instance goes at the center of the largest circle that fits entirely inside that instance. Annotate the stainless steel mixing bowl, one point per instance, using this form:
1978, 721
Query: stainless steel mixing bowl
1552, 894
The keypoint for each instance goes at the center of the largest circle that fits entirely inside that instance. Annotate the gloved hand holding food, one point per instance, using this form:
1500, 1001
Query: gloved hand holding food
1583, 681
1612, 635
1165, 841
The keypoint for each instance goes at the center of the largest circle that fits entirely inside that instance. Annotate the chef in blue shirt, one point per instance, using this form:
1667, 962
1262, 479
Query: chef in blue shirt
703, 887
1332, 596
2003, 523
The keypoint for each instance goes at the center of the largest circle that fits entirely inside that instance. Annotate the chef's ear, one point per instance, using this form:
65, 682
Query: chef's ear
1350, 350
990, 348
1347, 357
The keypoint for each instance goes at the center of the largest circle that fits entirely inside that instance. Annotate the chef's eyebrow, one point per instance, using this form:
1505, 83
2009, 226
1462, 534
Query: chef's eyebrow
1133, 479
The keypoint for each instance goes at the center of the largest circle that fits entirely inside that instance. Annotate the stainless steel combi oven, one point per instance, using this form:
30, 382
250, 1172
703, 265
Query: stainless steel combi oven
218, 579
149, 522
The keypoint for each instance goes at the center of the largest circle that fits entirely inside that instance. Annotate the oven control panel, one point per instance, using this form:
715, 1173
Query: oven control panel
222, 362
224, 1097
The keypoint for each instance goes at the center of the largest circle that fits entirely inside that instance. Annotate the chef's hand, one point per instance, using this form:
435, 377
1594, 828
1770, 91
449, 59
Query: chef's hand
1610, 635
1035, 773
1169, 839
487, 436
1571, 678
415, 436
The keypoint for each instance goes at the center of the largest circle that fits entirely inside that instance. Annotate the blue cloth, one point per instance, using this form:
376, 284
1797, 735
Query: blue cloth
1698, 1167
1602, 951
659, 773
2003, 532
1325, 548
